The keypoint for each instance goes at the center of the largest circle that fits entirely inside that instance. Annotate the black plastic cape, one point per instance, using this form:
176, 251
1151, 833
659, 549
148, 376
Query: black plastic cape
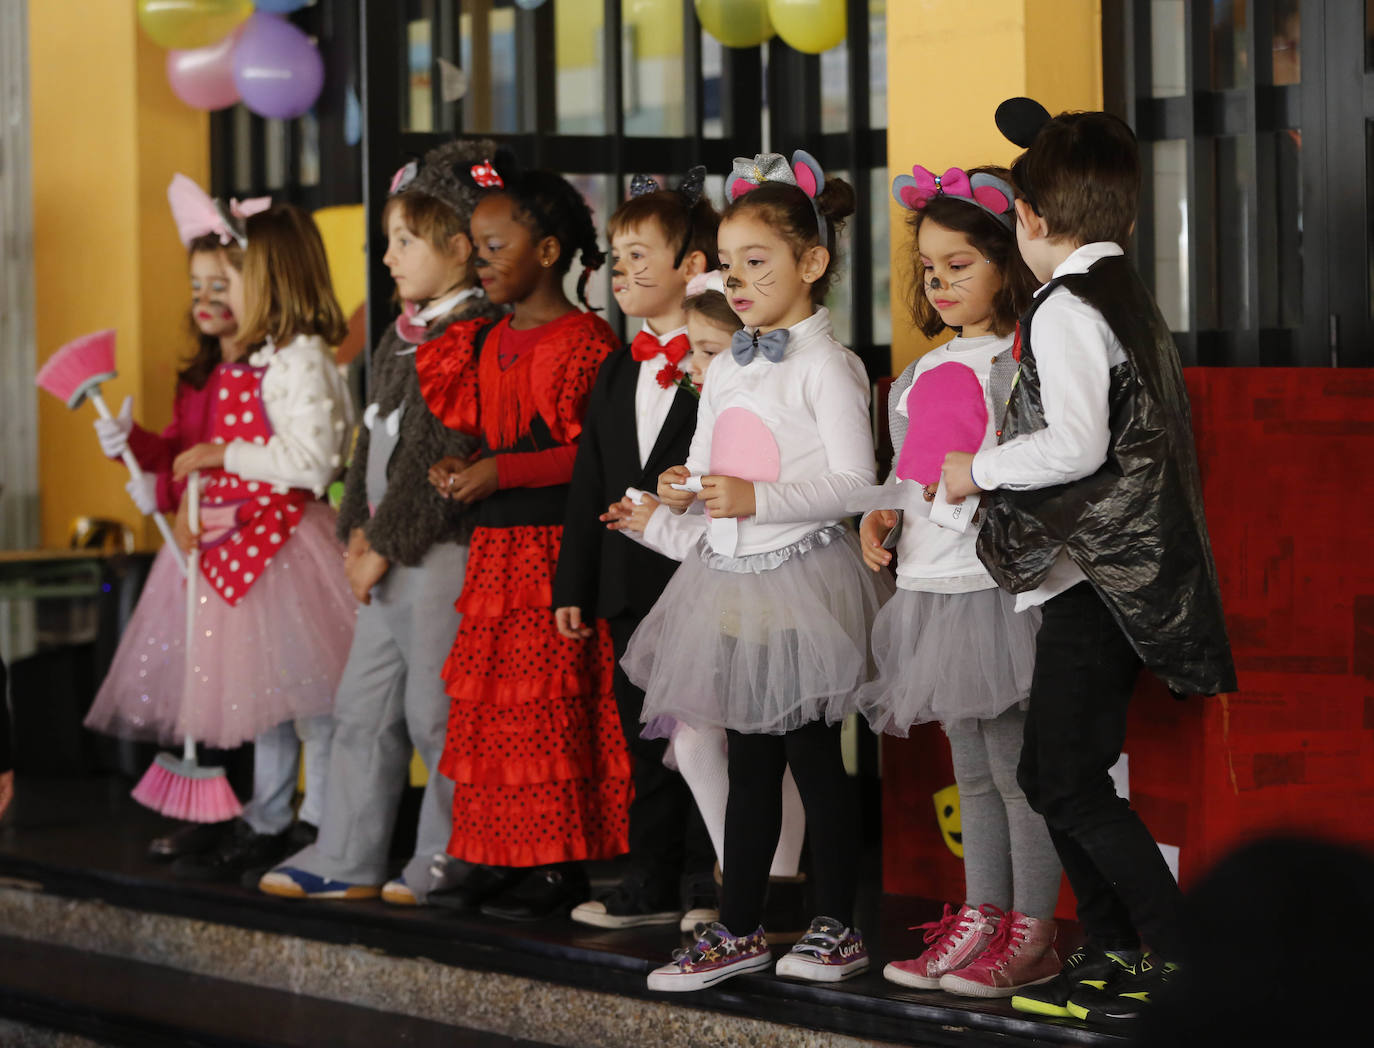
1136, 526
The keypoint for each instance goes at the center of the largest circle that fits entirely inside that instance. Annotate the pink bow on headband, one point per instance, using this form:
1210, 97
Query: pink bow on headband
922, 186
197, 215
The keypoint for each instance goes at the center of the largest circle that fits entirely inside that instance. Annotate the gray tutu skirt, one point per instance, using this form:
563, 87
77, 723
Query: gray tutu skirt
764, 643
956, 658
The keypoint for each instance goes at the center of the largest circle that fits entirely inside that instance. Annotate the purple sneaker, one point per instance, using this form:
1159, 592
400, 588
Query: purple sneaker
716, 956
828, 952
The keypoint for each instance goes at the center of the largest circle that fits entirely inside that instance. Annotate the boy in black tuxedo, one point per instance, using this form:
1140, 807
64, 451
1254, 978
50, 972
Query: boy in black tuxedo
640, 421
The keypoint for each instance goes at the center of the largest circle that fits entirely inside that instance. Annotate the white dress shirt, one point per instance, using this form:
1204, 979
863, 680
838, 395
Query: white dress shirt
652, 401
1075, 351
815, 404
310, 409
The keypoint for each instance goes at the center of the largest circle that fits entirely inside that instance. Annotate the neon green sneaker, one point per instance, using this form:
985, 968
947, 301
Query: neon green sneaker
1088, 968
1125, 998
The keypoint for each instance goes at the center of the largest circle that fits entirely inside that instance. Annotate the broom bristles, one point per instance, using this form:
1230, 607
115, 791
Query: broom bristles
83, 363
193, 793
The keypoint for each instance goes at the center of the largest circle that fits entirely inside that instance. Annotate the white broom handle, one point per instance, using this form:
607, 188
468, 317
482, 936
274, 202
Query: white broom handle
166, 529
188, 748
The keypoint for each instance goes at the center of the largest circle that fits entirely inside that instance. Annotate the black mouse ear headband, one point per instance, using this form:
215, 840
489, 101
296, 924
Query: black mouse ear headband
691, 187
1020, 120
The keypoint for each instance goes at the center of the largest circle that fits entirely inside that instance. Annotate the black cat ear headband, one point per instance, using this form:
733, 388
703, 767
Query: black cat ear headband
690, 189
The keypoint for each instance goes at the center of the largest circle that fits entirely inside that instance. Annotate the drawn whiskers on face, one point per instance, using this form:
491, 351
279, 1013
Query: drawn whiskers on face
764, 284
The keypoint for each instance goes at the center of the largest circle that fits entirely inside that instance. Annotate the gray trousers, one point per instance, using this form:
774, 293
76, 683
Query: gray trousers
390, 698
276, 769
1009, 859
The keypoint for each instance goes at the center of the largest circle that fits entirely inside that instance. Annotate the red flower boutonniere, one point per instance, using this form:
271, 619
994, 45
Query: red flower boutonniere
668, 375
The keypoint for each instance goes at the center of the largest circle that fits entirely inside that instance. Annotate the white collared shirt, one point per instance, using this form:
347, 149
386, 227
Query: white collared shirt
814, 403
652, 401
310, 408
1075, 351
435, 310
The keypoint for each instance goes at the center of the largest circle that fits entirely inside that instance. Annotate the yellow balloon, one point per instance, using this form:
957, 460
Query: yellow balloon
735, 23
812, 26
183, 24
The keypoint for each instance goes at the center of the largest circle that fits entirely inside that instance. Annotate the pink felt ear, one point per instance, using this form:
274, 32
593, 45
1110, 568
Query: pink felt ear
912, 198
806, 179
992, 198
742, 446
740, 186
948, 412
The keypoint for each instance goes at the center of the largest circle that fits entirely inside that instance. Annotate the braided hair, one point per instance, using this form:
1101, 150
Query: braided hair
549, 206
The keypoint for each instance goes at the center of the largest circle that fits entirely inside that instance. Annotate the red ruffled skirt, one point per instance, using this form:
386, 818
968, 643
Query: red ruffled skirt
534, 747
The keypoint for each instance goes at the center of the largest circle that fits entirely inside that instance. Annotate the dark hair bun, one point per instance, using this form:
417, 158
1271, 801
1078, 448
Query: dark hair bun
836, 200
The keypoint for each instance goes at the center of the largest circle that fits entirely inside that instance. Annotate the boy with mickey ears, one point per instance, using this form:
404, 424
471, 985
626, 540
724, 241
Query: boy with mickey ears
640, 422
1098, 519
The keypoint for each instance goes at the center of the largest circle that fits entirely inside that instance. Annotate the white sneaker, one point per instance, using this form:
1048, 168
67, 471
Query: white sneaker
829, 952
715, 957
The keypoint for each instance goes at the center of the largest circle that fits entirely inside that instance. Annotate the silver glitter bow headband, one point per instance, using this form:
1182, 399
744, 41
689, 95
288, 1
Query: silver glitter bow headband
803, 172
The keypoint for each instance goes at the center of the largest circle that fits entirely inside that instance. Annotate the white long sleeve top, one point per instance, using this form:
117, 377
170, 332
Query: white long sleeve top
310, 409
1075, 351
815, 404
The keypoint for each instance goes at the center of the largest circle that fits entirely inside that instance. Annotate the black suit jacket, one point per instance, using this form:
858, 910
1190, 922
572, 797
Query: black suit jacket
599, 571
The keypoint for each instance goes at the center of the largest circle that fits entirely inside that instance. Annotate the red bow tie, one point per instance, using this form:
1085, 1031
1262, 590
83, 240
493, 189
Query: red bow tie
645, 347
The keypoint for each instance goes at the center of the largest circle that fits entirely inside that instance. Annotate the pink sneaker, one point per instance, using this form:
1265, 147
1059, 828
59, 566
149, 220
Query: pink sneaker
1021, 953
951, 943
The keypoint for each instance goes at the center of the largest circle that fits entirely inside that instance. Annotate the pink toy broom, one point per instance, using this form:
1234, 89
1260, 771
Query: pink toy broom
182, 788
74, 374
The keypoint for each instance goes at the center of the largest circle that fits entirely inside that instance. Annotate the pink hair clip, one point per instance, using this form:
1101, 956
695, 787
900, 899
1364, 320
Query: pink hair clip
992, 194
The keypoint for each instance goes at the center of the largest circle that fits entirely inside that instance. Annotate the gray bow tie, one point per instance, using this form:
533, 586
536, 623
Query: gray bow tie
744, 344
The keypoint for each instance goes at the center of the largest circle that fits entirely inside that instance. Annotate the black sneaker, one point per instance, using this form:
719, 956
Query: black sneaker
545, 891
633, 903
480, 884
243, 849
700, 901
1088, 967
1126, 997
195, 838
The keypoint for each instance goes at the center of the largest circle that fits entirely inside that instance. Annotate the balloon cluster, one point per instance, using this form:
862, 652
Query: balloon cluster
812, 26
225, 51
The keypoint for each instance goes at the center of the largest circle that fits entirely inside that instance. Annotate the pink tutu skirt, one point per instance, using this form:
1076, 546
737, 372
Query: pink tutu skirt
277, 656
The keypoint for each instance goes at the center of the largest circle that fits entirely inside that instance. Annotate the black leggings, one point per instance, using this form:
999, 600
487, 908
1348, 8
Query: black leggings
753, 820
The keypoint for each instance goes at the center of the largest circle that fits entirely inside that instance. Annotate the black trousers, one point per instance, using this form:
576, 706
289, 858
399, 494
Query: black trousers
1085, 673
753, 820
667, 835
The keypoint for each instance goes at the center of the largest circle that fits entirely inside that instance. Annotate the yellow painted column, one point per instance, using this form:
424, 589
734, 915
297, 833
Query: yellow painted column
107, 136
949, 64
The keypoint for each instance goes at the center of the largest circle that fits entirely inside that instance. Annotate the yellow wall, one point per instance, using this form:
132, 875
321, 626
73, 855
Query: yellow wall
949, 64
108, 135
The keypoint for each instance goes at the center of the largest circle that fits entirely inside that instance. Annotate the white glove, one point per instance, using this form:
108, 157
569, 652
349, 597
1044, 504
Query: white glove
143, 490
114, 432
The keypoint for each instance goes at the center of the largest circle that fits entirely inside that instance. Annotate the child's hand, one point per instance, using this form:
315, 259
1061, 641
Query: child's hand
728, 496
444, 473
182, 534
675, 500
627, 515
198, 456
957, 473
873, 529
474, 483
570, 624
364, 571
6, 791
357, 543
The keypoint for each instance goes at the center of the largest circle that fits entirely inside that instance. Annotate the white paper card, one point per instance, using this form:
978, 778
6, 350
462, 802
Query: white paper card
955, 516
1121, 777
690, 484
723, 535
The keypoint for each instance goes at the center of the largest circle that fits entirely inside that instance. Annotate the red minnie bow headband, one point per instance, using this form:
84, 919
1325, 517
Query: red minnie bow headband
992, 194
803, 172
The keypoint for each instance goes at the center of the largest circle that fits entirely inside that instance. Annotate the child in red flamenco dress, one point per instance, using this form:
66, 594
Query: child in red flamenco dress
534, 746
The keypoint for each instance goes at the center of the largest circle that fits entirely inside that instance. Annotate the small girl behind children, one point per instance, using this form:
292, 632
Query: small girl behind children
700, 756
950, 646
275, 618
763, 630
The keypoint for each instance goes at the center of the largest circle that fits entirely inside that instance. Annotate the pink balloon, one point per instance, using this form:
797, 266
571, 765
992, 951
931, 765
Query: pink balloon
203, 77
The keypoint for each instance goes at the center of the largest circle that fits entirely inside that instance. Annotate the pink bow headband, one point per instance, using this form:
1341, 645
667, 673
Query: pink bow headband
197, 215
804, 172
704, 282
992, 194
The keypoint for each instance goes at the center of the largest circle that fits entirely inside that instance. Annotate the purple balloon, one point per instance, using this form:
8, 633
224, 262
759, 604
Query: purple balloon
277, 69
203, 77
